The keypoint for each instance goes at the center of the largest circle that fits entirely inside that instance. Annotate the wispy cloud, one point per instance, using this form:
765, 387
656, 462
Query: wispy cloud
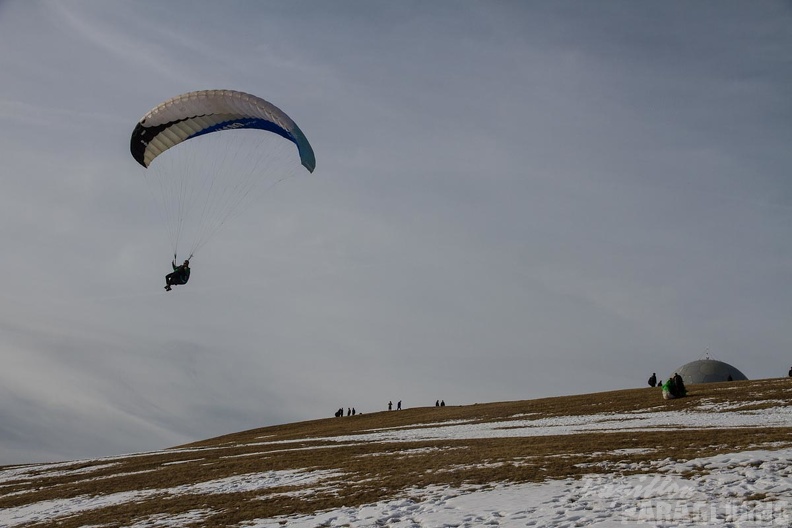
523, 199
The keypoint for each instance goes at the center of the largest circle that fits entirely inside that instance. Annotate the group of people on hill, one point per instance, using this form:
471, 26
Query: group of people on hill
673, 388
352, 412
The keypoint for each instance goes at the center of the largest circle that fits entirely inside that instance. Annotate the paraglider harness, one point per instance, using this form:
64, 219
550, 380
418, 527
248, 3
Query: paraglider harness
180, 275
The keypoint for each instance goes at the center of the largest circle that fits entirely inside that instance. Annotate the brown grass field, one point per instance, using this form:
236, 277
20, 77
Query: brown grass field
366, 472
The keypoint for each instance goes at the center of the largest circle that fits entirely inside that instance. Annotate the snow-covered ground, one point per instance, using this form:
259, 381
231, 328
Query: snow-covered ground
750, 488
721, 496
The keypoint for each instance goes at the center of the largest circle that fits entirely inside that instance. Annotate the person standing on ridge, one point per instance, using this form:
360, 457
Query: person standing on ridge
680, 385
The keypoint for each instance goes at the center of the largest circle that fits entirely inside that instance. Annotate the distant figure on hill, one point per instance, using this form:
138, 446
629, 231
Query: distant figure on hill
390, 405
790, 372
669, 389
398, 406
442, 403
653, 380
353, 411
680, 385
339, 413
349, 411
674, 388
729, 378
437, 403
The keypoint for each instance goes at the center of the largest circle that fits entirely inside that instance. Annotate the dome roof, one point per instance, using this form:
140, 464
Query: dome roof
708, 371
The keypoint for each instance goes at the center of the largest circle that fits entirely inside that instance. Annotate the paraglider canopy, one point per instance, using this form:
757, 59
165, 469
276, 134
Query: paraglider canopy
197, 113
205, 152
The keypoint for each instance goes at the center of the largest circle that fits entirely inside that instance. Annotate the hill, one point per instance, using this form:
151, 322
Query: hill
601, 452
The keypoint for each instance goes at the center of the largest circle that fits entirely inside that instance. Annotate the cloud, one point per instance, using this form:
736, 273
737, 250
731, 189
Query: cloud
510, 202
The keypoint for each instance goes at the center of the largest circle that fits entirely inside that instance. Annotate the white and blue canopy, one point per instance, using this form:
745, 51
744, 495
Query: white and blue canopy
197, 113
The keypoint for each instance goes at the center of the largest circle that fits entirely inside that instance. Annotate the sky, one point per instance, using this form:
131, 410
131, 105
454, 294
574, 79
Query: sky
512, 200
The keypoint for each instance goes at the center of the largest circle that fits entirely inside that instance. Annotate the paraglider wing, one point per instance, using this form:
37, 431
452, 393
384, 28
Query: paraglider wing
206, 151
197, 113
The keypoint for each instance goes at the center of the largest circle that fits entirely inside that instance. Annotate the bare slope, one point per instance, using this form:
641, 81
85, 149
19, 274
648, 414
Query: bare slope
334, 462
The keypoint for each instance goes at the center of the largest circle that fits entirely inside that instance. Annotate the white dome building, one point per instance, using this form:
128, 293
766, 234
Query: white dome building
708, 371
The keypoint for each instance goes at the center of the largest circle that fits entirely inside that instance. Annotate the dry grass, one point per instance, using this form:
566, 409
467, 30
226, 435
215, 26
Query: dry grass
368, 472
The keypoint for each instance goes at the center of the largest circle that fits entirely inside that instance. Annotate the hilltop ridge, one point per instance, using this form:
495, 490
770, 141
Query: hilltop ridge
318, 465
